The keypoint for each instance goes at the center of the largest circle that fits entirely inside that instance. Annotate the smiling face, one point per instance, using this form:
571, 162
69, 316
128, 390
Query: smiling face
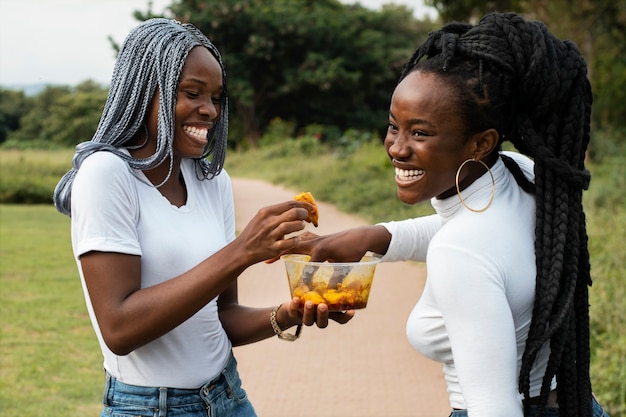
198, 102
426, 139
198, 105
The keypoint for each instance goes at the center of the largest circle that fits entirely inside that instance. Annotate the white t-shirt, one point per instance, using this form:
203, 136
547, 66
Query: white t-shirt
116, 209
476, 308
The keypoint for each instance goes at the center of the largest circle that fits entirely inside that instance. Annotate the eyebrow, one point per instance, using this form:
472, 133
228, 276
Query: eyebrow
195, 80
414, 121
199, 81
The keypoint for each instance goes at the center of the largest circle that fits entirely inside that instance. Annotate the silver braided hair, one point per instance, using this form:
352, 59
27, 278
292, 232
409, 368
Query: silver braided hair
150, 60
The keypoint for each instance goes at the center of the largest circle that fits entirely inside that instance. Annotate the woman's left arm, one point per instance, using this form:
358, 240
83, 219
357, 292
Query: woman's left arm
245, 325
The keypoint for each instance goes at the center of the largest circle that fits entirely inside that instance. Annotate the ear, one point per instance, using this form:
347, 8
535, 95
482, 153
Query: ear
484, 143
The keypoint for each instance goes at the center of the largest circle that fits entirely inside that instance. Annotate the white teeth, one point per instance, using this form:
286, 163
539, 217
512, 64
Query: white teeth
409, 174
200, 133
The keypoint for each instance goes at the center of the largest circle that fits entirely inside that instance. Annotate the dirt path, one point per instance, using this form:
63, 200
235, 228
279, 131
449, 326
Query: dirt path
365, 368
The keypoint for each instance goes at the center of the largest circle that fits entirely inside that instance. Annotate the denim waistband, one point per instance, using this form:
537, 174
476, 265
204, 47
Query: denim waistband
597, 411
116, 391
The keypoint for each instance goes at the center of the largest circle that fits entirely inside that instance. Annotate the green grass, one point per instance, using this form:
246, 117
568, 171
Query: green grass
606, 225
50, 362
29, 177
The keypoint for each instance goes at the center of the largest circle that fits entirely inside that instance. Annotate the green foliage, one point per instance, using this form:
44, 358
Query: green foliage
607, 143
310, 62
59, 116
606, 215
608, 179
467, 10
277, 130
597, 27
323, 63
352, 139
13, 104
33, 126
607, 231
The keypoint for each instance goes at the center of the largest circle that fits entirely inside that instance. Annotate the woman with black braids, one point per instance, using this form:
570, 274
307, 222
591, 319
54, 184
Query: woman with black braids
505, 303
153, 232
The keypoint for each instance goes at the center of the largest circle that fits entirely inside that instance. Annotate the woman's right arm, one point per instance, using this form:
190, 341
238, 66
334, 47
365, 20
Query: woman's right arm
130, 316
397, 241
346, 246
105, 238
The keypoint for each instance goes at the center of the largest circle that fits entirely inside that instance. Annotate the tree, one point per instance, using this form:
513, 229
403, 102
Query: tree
598, 27
33, 125
75, 116
471, 10
308, 61
61, 115
13, 104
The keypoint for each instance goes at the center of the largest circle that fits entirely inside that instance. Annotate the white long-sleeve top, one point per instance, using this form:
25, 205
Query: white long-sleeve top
476, 308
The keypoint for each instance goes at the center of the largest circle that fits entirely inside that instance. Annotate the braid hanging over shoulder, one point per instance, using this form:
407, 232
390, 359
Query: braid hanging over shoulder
546, 100
150, 61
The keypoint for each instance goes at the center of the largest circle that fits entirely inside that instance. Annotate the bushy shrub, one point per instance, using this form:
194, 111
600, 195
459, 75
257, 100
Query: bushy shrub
278, 130
607, 143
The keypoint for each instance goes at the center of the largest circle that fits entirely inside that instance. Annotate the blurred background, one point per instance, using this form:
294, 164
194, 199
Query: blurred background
324, 62
305, 77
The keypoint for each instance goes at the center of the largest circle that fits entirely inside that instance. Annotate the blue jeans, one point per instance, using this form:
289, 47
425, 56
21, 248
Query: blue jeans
221, 397
597, 411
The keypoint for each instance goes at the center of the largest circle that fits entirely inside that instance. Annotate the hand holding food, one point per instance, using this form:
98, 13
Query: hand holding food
313, 214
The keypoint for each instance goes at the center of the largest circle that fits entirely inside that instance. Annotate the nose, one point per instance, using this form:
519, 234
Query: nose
397, 146
211, 108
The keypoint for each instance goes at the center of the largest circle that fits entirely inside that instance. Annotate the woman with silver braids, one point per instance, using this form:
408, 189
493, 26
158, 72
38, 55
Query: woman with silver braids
505, 305
153, 233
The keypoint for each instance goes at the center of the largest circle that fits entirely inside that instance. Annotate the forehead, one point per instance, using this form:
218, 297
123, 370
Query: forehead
424, 85
429, 98
202, 65
425, 89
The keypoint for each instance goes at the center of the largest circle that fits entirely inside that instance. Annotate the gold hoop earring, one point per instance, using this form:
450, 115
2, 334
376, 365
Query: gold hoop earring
493, 186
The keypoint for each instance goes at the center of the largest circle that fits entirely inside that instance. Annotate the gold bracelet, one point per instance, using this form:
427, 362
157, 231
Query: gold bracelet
281, 335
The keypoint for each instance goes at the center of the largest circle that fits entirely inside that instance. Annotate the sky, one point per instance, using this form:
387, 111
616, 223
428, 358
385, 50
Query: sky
66, 41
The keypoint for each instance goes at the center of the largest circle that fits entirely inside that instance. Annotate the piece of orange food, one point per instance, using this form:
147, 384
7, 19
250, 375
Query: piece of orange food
343, 297
313, 214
